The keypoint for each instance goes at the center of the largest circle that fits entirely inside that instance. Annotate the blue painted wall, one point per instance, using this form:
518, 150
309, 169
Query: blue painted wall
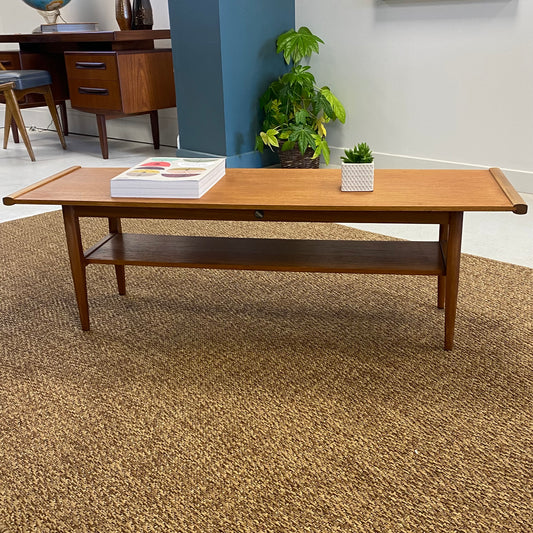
224, 57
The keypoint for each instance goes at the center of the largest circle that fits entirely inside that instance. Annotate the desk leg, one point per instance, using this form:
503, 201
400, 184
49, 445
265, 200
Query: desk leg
443, 240
453, 259
102, 133
154, 123
64, 118
116, 227
77, 262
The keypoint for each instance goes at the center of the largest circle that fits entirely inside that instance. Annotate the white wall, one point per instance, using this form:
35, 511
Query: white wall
425, 82
24, 19
446, 80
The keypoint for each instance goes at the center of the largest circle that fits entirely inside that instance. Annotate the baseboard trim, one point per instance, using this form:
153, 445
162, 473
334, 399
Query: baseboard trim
522, 180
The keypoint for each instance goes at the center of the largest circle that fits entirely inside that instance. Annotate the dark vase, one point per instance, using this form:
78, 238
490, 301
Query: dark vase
142, 15
123, 14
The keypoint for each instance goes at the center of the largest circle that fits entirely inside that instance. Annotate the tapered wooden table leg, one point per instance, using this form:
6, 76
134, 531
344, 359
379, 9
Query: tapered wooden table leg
102, 134
116, 227
441, 293
453, 260
77, 262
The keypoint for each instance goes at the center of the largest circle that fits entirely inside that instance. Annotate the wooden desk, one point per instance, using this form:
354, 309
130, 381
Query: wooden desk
108, 73
400, 196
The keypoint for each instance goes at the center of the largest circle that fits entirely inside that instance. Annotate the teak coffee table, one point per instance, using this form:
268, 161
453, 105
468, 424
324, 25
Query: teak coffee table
400, 196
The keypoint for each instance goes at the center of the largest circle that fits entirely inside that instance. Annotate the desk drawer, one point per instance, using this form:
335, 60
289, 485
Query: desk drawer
88, 65
10, 60
95, 94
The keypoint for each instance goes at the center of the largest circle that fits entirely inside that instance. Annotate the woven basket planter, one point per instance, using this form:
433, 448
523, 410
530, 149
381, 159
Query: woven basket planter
293, 158
357, 176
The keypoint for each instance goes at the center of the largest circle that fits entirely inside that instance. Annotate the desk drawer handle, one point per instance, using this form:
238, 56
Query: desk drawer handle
6, 63
89, 64
92, 90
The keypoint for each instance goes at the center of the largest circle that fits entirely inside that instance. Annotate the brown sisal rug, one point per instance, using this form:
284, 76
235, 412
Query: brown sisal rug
215, 401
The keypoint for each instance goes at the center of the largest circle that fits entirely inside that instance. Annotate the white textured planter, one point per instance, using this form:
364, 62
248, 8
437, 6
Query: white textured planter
357, 176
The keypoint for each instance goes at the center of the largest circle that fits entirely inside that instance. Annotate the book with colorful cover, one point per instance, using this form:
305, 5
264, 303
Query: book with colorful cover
169, 177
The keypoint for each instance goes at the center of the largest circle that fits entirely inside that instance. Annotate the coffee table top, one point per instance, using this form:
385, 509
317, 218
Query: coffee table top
296, 189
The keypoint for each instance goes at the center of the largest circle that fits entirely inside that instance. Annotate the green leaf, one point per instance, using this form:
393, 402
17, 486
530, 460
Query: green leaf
300, 83
269, 137
301, 116
322, 148
335, 104
321, 107
259, 144
296, 45
319, 127
304, 136
287, 145
285, 44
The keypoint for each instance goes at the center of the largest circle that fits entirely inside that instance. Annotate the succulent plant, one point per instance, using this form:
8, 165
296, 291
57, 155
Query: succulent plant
360, 153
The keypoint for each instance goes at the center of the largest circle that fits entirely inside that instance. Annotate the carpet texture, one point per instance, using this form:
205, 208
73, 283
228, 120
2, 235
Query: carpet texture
227, 401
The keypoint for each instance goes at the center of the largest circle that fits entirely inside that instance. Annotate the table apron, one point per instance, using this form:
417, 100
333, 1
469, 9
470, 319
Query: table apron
259, 214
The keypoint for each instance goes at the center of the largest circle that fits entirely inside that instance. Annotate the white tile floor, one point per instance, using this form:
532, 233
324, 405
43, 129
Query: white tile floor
501, 236
18, 171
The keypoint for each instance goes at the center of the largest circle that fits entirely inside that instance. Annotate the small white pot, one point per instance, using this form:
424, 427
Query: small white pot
357, 176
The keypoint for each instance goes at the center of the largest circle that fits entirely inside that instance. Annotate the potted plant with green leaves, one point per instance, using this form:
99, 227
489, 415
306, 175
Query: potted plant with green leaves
357, 169
296, 109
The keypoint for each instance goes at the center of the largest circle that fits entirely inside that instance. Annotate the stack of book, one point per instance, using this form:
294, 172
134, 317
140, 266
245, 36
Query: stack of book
169, 177
66, 27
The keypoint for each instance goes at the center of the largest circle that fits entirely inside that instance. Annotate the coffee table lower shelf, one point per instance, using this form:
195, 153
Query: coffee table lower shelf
377, 257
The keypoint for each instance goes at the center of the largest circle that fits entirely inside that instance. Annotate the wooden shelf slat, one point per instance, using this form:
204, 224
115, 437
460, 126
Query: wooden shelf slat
373, 257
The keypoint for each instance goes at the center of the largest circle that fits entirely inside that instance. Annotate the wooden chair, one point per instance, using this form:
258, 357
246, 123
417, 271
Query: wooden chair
14, 85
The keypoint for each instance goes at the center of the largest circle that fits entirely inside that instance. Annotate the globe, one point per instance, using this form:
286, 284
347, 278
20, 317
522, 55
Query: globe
49, 9
46, 5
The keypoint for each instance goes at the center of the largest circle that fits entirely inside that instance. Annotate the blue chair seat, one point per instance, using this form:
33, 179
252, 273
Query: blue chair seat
25, 79
15, 84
